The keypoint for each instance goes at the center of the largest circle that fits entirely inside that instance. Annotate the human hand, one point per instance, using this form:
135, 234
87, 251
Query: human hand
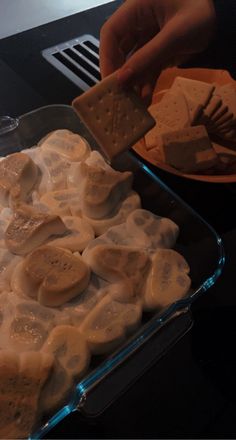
145, 36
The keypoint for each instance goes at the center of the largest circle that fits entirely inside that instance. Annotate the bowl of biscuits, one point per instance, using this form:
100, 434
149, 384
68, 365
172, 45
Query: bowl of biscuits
195, 132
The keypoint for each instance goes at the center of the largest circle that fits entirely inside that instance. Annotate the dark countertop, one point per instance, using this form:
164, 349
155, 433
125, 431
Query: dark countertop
33, 75
190, 392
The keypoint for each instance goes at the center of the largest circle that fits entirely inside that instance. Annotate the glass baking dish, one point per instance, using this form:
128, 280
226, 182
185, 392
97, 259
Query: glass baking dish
197, 242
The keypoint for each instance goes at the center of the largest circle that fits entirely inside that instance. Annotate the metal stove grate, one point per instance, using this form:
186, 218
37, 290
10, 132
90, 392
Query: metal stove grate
77, 59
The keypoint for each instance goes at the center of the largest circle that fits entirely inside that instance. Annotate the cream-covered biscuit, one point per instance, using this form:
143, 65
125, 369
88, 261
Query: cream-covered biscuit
51, 275
22, 377
66, 143
119, 264
63, 203
54, 169
72, 357
117, 216
168, 280
102, 190
30, 228
80, 233
18, 175
8, 262
151, 231
107, 325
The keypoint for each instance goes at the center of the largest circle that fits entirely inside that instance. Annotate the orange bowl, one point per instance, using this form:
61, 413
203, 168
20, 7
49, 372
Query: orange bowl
224, 148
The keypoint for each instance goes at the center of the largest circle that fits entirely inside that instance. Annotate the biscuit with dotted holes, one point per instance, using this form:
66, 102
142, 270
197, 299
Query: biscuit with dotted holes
194, 107
116, 118
171, 112
197, 91
153, 137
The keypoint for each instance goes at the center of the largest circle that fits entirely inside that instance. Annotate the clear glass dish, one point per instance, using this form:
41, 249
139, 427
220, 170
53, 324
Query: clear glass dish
197, 242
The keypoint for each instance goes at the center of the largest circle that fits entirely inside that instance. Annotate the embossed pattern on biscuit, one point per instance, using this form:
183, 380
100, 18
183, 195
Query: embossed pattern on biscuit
168, 280
116, 118
18, 175
102, 190
63, 203
117, 264
79, 234
72, 354
70, 145
52, 275
117, 216
151, 231
30, 228
109, 323
22, 377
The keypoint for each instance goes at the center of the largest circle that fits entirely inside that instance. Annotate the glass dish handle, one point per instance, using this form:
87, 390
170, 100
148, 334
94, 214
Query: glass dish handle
100, 397
9, 135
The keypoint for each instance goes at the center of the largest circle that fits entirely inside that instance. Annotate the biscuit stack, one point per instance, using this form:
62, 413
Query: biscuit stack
189, 116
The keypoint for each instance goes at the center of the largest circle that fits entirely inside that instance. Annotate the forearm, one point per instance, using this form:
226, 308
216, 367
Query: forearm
221, 53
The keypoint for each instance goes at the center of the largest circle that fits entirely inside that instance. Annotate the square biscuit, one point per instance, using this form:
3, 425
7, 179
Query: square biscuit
198, 91
171, 111
116, 118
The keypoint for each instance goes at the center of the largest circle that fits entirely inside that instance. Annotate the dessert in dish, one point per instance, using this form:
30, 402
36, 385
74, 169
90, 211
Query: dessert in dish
80, 262
193, 118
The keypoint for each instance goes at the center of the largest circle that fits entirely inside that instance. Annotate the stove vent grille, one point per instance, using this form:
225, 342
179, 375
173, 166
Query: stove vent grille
77, 59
